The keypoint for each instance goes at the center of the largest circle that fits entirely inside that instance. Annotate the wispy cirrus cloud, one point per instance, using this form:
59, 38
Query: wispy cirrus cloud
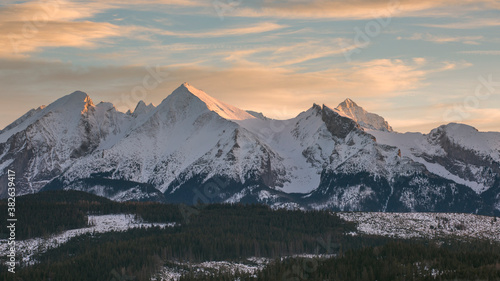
39, 12
466, 24
482, 52
362, 9
238, 31
185, 3
469, 40
283, 55
391, 76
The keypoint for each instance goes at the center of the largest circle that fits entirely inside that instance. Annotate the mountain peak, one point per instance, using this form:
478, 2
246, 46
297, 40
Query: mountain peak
78, 95
77, 101
348, 103
184, 94
366, 119
141, 108
69, 107
141, 105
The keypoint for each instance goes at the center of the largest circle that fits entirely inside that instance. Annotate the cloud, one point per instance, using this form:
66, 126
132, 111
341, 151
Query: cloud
54, 34
362, 9
469, 40
390, 76
466, 24
487, 119
188, 3
40, 12
482, 52
25, 28
281, 55
239, 31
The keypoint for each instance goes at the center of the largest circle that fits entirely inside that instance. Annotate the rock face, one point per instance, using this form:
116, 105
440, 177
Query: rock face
194, 148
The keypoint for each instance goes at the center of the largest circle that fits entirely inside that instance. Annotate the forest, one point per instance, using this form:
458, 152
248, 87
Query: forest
233, 232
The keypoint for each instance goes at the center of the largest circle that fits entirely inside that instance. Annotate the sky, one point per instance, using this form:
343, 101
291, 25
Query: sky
418, 63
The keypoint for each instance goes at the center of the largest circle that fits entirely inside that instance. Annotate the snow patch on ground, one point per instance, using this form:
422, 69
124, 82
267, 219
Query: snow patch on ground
250, 265
425, 225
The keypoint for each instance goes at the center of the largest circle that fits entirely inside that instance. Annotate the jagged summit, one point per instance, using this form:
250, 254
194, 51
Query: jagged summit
184, 94
69, 108
78, 95
75, 97
348, 103
77, 101
142, 108
140, 104
365, 119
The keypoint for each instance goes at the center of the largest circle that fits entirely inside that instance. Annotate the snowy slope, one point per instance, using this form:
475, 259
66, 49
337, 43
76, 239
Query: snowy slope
455, 151
303, 143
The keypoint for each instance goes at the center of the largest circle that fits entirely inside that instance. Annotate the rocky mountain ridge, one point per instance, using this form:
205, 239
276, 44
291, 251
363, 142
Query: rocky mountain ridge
193, 147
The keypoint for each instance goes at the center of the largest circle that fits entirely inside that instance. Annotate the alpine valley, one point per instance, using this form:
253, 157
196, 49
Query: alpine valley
193, 148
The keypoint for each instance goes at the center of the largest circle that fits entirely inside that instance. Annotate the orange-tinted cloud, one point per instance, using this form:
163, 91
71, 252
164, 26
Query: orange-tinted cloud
239, 31
363, 9
467, 24
468, 40
25, 28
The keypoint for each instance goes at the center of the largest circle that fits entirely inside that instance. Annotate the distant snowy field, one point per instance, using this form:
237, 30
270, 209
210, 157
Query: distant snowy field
425, 225
251, 265
101, 224
397, 225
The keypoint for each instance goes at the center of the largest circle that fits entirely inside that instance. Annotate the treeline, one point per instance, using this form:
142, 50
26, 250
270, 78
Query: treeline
394, 261
37, 218
214, 232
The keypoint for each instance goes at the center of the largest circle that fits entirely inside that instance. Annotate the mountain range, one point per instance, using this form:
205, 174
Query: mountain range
193, 148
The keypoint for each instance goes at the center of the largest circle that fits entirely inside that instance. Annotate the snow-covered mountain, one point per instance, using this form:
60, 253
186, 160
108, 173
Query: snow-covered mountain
193, 147
456, 152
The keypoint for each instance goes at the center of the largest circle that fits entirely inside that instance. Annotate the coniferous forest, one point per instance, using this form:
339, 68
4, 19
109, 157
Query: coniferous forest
223, 232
